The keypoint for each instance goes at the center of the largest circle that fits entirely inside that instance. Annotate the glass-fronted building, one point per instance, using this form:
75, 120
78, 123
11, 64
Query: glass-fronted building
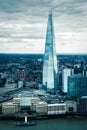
77, 86
50, 73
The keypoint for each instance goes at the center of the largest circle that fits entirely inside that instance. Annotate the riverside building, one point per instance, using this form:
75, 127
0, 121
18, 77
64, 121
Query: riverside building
77, 86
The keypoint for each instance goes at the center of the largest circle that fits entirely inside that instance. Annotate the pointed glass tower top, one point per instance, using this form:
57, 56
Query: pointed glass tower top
50, 76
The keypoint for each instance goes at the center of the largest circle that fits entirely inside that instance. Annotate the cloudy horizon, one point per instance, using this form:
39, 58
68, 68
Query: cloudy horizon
23, 25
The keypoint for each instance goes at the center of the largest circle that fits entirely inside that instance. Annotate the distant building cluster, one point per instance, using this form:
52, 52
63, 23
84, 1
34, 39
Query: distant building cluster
74, 85
22, 72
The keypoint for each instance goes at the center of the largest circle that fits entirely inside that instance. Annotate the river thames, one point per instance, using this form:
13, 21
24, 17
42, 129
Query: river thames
52, 124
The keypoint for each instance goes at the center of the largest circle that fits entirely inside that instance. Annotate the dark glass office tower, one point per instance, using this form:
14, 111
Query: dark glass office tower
50, 72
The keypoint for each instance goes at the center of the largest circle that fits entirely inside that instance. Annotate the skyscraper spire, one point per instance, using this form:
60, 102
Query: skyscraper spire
50, 75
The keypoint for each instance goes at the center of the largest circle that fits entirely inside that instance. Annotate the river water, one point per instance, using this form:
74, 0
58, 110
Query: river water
52, 124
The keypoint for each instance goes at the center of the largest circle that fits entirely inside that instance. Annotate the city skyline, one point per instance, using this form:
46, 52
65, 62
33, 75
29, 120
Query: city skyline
23, 25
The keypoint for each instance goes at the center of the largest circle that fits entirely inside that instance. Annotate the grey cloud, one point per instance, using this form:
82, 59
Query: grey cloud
9, 6
3, 34
69, 6
12, 6
15, 15
37, 7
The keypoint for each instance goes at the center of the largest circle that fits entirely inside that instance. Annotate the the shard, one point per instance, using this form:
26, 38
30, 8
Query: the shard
50, 71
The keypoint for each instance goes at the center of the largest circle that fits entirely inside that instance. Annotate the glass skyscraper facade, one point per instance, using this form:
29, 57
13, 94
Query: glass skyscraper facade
50, 71
77, 86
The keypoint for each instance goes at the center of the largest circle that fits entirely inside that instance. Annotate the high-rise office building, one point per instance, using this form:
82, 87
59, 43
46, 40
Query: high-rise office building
50, 72
65, 73
77, 86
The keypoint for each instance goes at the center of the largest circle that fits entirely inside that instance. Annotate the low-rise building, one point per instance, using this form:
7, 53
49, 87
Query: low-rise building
10, 107
25, 101
29, 103
71, 106
82, 105
16, 99
41, 108
58, 108
34, 102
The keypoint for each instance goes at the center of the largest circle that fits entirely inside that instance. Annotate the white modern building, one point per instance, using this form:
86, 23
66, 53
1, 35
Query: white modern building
65, 73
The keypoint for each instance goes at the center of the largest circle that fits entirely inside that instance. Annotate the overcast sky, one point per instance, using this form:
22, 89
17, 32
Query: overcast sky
23, 25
